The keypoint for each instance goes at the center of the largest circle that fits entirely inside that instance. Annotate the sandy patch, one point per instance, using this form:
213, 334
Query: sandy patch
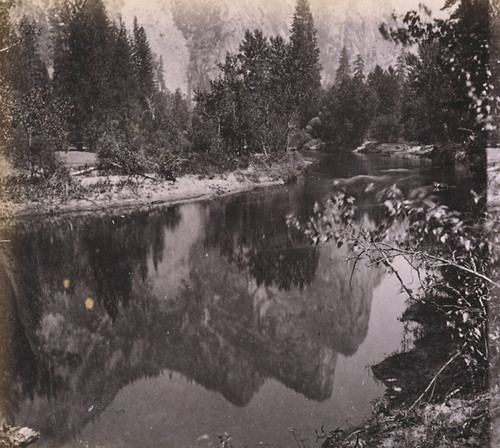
74, 159
105, 193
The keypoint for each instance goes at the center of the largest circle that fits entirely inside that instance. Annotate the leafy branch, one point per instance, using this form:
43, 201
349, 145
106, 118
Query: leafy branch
445, 248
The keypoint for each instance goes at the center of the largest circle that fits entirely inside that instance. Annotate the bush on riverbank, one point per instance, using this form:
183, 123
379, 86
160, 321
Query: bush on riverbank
452, 423
454, 262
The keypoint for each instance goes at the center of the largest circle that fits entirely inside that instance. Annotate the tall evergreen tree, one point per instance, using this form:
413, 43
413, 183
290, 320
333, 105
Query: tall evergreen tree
37, 117
359, 69
122, 83
27, 69
159, 74
343, 73
143, 63
251, 101
345, 107
81, 68
304, 62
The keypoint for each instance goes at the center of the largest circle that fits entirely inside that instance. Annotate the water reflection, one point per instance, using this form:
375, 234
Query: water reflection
222, 293
253, 236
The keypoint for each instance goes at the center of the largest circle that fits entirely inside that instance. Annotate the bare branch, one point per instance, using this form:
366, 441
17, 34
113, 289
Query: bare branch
441, 370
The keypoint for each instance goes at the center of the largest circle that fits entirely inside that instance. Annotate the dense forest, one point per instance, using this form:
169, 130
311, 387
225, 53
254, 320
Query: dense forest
104, 92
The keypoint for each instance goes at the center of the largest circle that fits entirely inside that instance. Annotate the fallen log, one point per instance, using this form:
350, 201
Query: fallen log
84, 171
137, 174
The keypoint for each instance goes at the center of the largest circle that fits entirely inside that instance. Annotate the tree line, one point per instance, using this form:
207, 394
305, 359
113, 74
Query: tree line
439, 92
105, 92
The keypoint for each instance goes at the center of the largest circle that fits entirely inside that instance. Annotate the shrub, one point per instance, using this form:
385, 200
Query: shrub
38, 157
124, 151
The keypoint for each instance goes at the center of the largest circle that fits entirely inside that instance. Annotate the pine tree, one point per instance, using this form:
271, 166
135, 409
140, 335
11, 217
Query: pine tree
346, 111
122, 83
159, 75
304, 62
37, 117
343, 73
143, 63
81, 67
359, 69
385, 100
27, 69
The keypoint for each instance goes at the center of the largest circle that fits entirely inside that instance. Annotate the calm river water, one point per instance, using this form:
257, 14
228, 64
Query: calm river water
170, 327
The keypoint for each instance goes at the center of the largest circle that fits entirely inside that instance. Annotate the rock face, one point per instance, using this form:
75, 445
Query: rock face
211, 28
192, 36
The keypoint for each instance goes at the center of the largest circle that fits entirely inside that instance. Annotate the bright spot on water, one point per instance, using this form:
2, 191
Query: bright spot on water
89, 303
66, 283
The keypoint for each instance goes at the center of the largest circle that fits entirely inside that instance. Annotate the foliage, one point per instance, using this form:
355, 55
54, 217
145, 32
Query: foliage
249, 114
123, 150
80, 77
386, 128
59, 184
304, 70
444, 94
265, 91
453, 423
37, 121
447, 250
142, 62
450, 94
346, 106
128, 150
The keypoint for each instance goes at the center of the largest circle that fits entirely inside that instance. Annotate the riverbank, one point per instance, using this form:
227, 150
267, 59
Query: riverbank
432, 398
97, 192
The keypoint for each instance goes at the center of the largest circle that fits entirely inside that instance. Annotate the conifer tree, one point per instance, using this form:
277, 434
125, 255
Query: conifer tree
359, 69
27, 69
81, 69
143, 63
122, 83
343, 73
37, 117
304, 62
159, 75
346, 111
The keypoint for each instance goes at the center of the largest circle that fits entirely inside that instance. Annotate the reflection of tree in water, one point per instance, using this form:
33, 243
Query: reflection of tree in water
100, 257
253, 236
104, 254
225, 328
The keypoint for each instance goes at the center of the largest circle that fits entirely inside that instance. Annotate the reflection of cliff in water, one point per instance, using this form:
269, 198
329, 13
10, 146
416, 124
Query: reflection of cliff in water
220, 323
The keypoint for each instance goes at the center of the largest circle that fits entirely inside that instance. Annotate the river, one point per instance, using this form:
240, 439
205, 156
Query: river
172, 326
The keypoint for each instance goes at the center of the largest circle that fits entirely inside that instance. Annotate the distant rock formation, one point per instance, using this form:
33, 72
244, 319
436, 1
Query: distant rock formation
192, 36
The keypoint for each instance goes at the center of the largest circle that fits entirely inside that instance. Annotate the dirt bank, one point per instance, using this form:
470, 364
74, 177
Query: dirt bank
98, 193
